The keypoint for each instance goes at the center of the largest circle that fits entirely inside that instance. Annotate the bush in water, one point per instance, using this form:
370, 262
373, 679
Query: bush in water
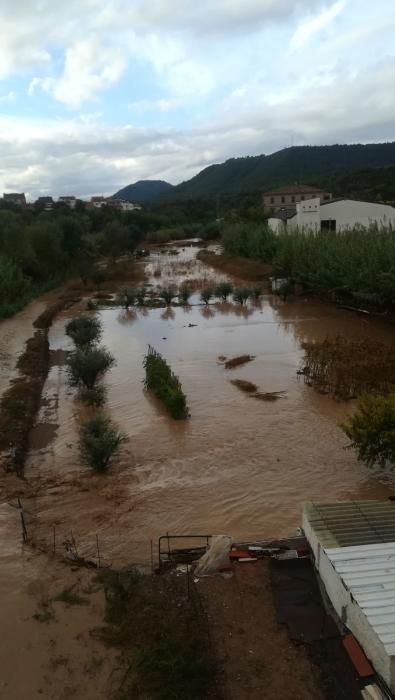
184, 295
164, 384
84, 331
167, 295
241, 295
86, 366
206, 295
126, 298
140, 296
223, 290
100, 442
93, 397
256, 293
372, 430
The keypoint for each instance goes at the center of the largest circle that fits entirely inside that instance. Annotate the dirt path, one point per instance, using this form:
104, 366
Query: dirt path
258, 660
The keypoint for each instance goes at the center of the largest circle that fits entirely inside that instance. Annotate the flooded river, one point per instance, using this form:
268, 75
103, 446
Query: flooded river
239, 465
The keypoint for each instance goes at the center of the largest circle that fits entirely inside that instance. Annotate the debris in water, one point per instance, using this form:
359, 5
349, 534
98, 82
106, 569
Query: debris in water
237, 361
222, 358
269, 395
244, 385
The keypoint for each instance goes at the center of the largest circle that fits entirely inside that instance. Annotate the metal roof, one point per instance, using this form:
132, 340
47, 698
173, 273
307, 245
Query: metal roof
348, 523
368, 571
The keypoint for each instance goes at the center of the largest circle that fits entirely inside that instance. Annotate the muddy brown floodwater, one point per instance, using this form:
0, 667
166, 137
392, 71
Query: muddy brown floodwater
239, 465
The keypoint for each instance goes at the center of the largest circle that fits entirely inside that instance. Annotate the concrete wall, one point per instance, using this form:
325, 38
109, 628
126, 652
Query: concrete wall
276, 225
346, 213
349, 611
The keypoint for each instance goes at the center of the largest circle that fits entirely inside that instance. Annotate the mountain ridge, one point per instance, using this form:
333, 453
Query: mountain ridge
143, 191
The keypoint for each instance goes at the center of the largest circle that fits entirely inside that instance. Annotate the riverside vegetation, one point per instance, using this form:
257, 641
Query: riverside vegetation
164, 384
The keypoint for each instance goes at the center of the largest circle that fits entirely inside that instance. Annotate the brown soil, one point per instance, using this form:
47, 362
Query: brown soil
257, 658
244, 385
237, 361
242, 268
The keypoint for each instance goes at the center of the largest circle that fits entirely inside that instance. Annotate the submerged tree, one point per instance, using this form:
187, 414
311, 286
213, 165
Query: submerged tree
184, 295
86, 366
84, 331
167, 295
206, 294
126, 298
100, 442
372, 430
223, 290
241, 295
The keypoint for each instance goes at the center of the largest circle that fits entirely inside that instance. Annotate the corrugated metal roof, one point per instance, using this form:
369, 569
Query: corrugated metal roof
368, 571
348, 523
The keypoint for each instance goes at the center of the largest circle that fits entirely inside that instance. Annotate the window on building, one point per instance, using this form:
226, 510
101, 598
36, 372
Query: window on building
282, 200
328, 225
302, 197
327, 197
271, 200
293, 199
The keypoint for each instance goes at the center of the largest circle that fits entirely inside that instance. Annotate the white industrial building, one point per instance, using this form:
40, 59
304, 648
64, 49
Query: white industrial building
336, 215
353, 544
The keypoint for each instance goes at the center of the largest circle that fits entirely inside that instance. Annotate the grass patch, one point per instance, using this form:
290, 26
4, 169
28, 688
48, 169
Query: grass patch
237, 361
236, 266
69, 597
164, 384
345, 368
163, 636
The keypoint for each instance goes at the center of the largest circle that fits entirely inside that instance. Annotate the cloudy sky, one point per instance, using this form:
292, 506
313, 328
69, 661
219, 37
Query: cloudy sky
95, 94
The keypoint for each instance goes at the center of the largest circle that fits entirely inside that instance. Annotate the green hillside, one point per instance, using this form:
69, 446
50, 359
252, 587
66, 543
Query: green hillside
300, 164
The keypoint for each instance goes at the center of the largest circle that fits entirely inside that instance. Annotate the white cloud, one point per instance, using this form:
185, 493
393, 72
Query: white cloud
70, 156
9, 97
160, 105
313, 25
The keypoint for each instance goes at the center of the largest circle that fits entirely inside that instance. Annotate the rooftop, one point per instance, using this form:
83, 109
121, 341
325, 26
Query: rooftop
350, 523
294, 189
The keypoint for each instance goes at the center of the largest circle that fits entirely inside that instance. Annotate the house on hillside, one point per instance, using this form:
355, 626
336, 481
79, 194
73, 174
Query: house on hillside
15, 198
68, 201
337, 215
123, 204
284, 199
45, 203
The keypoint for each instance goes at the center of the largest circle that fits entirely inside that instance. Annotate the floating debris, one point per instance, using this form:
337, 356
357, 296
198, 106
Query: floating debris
244, 385
269, 395
222, 358
237, 361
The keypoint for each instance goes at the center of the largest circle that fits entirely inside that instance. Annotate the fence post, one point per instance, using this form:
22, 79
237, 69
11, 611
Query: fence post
24, 529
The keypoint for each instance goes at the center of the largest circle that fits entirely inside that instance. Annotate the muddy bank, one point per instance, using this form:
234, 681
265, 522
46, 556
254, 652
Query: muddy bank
243, 268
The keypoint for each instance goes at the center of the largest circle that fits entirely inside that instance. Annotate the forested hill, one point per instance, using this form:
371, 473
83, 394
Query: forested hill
144, 191
300, 164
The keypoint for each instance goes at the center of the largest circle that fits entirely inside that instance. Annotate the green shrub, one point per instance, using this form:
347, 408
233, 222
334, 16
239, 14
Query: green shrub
84, 330
93, 397
164, 384
372, 430
241, 295
86, 366
140, 296
167, 295
126, 298
184, 295
223, 290
100, 442
206, 295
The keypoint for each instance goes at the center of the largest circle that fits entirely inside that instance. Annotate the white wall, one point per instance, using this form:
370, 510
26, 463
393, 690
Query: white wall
276, 225
348, 610
347, 214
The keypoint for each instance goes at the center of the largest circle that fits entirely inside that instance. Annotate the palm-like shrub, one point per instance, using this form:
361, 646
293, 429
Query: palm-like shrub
164, 384
87, 365
100, 442
84, 330
206, 295
95, 396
